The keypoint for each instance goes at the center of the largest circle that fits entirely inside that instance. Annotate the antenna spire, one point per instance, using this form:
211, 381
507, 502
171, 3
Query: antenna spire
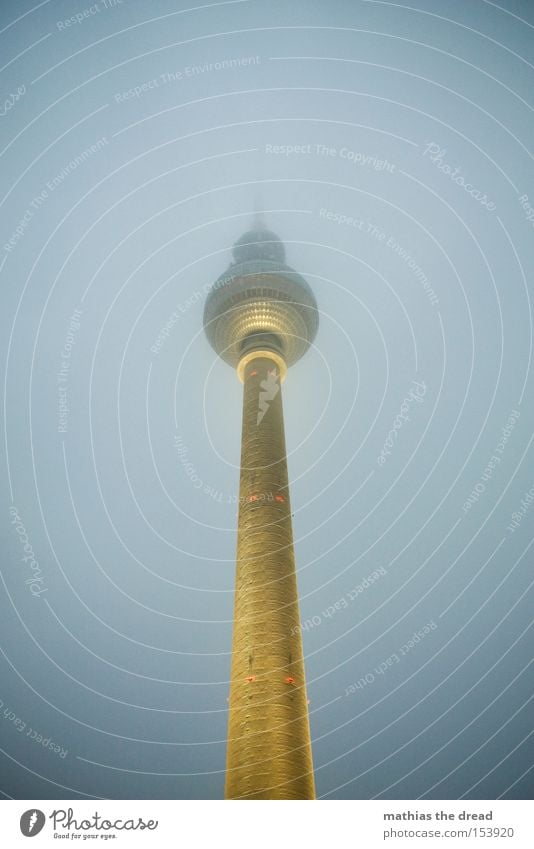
258, 218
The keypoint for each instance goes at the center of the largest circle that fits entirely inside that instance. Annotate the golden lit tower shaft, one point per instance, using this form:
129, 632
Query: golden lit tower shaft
269, 749
261, 317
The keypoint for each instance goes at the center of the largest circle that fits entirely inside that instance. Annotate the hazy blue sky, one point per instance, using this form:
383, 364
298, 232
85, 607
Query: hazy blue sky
389, 147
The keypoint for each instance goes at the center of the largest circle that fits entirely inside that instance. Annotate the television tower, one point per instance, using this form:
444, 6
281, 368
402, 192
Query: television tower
261, 317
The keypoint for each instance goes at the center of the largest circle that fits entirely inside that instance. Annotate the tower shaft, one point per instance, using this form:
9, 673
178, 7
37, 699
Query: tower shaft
269, 748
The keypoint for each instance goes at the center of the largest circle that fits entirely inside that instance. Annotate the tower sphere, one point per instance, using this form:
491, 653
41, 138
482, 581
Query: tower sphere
260, 303
259, 244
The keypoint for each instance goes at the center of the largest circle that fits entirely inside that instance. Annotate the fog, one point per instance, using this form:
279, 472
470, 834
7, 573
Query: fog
388, 147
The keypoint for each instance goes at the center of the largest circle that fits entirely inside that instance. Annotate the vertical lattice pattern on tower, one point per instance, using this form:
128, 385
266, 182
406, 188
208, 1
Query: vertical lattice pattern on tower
269, 748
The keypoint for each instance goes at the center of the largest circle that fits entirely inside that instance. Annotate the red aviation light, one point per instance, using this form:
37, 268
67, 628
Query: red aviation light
253, 498
290, 680
252, 373
279, 498
250, 678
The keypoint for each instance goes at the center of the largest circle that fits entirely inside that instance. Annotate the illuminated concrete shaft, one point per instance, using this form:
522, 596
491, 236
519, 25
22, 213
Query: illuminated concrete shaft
269, 749
261, 317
